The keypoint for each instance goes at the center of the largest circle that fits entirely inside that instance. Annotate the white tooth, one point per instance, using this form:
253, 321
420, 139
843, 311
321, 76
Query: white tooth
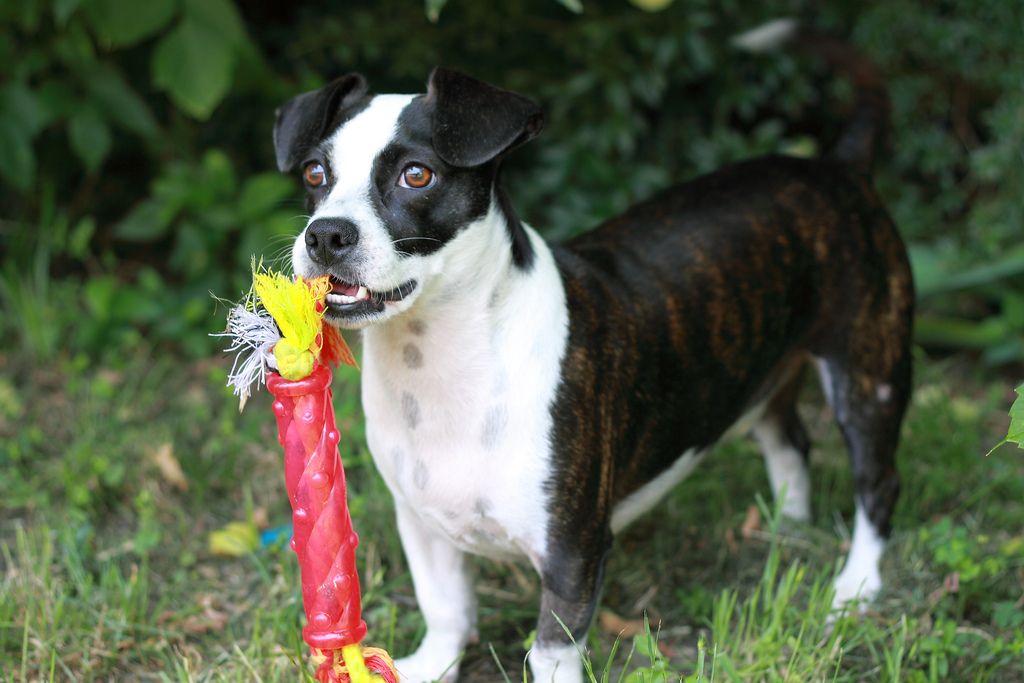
346, 299
333, 298
362, 293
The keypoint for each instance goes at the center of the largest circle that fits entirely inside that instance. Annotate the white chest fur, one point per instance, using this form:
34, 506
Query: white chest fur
457, 394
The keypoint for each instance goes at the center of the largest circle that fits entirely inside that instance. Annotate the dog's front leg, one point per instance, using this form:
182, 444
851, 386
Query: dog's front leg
445, 596
570, 588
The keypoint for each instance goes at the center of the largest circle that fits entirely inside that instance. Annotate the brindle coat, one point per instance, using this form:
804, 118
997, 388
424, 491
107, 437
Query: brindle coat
701, 303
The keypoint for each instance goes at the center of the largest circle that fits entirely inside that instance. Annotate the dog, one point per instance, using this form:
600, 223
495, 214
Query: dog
526, 400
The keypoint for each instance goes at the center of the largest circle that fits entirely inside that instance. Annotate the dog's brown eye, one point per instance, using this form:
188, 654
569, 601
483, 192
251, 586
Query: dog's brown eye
416, 177
314, 174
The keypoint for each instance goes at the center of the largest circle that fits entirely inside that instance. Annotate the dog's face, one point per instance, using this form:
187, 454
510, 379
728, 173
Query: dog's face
392, 180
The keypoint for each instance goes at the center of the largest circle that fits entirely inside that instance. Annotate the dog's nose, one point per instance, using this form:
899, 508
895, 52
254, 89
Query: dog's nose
329, 240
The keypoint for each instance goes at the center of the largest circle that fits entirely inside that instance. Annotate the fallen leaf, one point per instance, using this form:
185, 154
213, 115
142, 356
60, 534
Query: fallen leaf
950, 585
210, 619
235, 539
751, 523
170, 468
613, 624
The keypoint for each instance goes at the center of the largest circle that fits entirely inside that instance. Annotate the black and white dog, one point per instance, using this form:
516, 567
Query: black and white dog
529, 401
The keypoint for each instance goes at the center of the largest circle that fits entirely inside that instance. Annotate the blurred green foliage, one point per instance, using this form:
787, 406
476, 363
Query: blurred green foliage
137, 173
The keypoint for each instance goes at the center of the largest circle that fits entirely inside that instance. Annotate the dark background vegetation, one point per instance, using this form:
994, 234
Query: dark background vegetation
138, 172
137, 177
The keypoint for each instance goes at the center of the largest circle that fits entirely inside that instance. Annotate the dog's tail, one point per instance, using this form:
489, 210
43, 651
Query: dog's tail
868, 124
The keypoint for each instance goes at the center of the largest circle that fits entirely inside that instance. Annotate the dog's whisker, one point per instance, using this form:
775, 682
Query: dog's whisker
278, 257
282, 248
404, 239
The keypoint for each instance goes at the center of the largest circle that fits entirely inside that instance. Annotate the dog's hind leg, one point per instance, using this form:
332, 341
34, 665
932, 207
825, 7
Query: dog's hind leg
784, 443
868, 387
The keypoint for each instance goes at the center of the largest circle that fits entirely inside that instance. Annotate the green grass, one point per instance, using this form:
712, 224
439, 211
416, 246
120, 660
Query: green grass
106, 572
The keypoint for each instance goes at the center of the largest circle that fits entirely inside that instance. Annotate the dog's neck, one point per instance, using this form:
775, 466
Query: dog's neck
470, 271
460, 302
480, 321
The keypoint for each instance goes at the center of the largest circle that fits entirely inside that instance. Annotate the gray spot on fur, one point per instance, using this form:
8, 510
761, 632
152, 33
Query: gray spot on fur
482, 506
398, 458
420, 475
494, 426
417, 327
410, 410
450, 514
412, 356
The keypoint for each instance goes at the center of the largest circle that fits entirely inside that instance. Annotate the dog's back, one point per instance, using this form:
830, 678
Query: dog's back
697, 303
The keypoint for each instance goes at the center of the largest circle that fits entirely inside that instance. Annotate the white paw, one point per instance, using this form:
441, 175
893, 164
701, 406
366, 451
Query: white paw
426, 666
556, 664
860, 579
856, 584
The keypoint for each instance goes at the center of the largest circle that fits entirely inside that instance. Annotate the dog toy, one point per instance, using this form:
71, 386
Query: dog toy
279, 337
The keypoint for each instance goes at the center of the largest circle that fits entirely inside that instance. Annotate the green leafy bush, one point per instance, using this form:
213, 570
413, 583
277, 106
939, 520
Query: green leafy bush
166, 108
66, 65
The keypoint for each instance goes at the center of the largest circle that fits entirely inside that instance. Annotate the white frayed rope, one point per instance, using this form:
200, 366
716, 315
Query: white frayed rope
253, 335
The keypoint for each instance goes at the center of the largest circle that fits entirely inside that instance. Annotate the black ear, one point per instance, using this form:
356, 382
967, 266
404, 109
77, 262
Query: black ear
302, 121
475, 122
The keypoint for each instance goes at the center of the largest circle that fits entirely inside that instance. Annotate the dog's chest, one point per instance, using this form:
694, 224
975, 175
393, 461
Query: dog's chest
458, 422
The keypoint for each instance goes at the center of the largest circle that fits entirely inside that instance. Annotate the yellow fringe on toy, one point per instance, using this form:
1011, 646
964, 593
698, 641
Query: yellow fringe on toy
356, 665
298, 309
352, 664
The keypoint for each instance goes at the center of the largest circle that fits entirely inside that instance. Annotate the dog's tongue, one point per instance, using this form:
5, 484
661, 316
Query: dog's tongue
339, 287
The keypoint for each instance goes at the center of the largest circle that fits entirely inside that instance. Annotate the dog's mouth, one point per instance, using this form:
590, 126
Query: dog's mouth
346, 300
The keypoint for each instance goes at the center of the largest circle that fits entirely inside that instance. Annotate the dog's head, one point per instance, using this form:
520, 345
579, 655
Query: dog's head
394, 179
